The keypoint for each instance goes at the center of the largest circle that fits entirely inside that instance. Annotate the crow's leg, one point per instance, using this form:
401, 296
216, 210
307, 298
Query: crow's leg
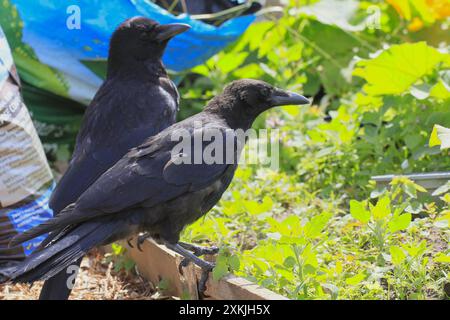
204, 265
141, 238
199, 250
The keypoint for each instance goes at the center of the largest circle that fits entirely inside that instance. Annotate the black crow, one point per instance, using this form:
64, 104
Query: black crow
137, 100
156, 188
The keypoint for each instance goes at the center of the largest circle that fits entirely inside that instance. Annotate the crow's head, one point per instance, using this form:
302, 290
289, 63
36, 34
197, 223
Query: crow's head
248, 98
142, 39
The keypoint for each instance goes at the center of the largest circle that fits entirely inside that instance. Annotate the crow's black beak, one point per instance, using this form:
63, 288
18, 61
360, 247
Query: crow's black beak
168, 31
284, 98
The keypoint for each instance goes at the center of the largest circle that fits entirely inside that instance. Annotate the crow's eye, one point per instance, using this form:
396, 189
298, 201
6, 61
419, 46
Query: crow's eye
265, 92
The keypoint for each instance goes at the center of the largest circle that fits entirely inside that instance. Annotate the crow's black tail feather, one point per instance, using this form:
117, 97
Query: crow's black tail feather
6, 269
48, 261
43, 228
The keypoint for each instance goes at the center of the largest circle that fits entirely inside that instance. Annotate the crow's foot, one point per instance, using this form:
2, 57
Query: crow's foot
199, 250
191, 257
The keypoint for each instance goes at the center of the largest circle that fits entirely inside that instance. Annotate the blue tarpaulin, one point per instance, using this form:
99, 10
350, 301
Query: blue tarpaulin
69, 51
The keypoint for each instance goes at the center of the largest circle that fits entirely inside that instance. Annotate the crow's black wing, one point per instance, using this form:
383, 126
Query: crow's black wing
118, 119
154, 174
141, 178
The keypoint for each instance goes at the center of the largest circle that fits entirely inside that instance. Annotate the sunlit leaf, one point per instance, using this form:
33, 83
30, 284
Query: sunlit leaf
442, 258
219, 271
255, 207
289, 262
400, 222
356, 279
399, 67
315, 226
358, 211
230, 62
397, 255
382, 208
234, 262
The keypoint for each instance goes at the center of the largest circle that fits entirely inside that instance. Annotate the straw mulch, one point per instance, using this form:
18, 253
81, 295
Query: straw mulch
97, 280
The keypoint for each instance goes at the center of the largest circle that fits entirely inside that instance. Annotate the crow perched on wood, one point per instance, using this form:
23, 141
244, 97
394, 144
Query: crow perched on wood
137, 100
149, 190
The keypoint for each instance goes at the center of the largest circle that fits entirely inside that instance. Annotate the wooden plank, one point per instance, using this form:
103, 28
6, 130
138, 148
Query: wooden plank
235, 288
156, 262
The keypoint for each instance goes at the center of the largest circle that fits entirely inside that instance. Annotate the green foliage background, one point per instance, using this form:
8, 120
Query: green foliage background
318, 228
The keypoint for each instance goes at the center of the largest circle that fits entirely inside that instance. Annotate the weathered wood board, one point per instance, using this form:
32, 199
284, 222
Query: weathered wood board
156, 262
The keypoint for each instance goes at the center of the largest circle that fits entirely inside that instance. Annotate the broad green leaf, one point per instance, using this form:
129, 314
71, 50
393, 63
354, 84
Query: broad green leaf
219, 271
415, 250
358, 211
234, 262
230, 62
322, 39
382, 208
221, 268
400, 222
251, 70
356, 279
442, 258
289, 262
202, 70
397, 255
440, 136
255, 207
271, 40
399, 67
315, 226
253, 36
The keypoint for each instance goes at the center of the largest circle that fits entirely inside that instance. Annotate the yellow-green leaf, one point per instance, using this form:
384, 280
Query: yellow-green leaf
356, 279
399, 67
382, 208
255, 207
400, 222
442, 258
397, 255
358, 211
